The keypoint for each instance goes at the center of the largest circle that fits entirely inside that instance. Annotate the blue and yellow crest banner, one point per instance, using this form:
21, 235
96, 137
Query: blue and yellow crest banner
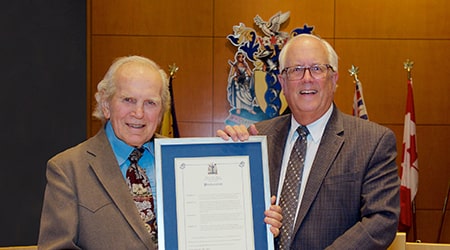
254, 92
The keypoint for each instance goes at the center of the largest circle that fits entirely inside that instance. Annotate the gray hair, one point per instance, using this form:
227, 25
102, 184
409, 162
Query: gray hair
332, 56
107, 87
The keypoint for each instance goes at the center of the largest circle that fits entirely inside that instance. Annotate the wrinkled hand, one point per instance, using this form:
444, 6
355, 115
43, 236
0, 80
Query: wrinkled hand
237, 132
273, 217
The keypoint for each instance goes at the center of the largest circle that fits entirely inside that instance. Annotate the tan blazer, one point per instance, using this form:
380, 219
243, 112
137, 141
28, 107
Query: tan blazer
87, 204
351, 200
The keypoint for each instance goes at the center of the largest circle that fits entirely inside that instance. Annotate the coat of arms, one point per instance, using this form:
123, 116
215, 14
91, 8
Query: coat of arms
254, 92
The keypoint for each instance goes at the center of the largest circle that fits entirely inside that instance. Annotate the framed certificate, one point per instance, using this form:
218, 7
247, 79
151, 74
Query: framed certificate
212, 194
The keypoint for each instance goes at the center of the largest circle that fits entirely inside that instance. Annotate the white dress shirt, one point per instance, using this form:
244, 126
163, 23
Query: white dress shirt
316, 130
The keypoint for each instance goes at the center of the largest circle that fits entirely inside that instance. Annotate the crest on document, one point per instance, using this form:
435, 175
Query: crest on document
254, 92
212, 169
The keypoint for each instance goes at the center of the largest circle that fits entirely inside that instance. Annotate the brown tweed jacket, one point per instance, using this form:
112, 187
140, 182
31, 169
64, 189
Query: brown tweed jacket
87, 203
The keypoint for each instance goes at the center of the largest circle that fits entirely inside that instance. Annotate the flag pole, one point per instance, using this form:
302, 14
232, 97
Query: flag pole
408, 65
359, 107
414, 220
354, 72
172, 70
169, 126
444, 210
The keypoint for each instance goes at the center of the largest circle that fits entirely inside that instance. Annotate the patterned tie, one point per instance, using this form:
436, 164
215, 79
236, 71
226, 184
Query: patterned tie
141, 191
291, 188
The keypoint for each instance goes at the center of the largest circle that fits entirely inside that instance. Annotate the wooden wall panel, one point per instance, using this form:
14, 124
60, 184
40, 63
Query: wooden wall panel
428, 222
418, 19
144, 17
434, 162
223, 51
230, 13
195, 129
384, 79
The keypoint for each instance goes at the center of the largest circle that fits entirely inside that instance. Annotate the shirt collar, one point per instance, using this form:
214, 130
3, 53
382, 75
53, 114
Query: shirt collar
315, 129
120, 148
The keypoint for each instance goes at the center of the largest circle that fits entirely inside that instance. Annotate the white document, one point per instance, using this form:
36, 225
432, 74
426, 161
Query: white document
214, 203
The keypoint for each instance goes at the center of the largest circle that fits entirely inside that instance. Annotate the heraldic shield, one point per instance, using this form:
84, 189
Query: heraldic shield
253, 89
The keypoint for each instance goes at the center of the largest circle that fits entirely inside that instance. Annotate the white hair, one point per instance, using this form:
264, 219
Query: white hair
332, 56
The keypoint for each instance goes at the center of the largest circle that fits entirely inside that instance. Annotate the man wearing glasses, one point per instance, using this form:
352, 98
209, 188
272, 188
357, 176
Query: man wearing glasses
343, 192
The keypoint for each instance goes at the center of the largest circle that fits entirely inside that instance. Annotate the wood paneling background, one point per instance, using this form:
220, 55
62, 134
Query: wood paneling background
375, 35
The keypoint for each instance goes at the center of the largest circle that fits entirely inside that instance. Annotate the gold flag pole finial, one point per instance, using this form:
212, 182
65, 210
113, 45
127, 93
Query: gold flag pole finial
408, 65
354, 72
172, 70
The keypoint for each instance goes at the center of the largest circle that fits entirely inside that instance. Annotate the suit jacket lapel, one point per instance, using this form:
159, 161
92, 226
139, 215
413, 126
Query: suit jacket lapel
276, 137
330, 145
104, 165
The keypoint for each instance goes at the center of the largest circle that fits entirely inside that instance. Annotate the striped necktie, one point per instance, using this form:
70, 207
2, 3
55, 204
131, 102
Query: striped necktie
291, 188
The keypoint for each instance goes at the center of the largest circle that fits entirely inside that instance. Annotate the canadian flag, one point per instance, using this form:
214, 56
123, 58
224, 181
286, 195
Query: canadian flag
410, 168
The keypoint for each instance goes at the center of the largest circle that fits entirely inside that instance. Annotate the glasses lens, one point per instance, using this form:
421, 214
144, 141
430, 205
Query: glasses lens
318, 71
295, 73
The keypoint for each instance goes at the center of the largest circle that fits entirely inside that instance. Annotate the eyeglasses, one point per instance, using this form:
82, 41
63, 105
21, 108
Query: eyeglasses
317, 71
